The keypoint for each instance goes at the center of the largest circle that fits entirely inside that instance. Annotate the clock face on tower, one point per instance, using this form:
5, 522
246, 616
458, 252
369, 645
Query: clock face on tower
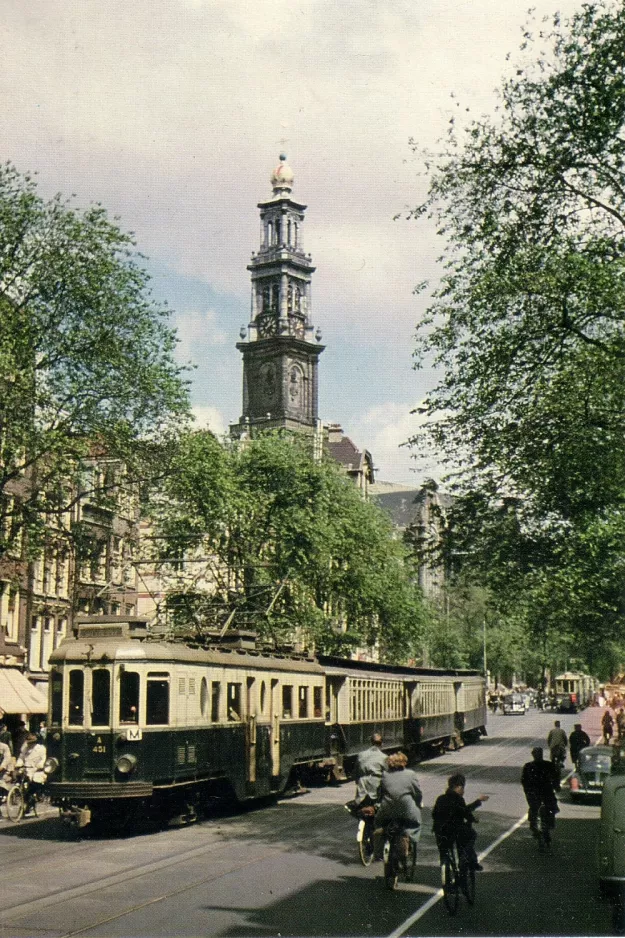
267, 325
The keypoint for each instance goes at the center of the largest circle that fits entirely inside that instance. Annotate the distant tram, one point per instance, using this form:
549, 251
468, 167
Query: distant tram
141, 726
574, 691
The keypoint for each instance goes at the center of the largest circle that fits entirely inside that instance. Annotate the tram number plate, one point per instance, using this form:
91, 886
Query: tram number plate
134, 734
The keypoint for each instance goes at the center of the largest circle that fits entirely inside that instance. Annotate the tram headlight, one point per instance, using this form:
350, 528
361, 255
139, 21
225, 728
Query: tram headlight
50, 765
126, 764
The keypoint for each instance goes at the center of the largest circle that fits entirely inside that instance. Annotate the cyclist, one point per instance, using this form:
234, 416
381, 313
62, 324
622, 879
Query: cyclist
577, 741
607, 725
6, 764
540, 784
370, 765
453, 821
401, 799
558, 744
32, 759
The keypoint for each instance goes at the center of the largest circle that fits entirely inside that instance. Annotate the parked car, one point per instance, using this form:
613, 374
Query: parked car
594, 766
514, 703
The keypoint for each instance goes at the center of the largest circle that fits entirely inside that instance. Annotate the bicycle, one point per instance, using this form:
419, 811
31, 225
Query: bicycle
546, 824
396, 862
458, 876
364, 812
364, 835
21, 798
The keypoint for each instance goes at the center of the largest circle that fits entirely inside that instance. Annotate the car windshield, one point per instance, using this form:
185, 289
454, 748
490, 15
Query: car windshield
592, 759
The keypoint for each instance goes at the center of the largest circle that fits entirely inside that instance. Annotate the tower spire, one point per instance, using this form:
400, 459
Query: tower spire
280, 346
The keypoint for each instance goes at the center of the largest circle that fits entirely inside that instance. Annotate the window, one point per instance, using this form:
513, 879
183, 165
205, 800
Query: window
129, 697
203, 696
318, 701
101, 697
234, 702
157, 699
215, 695
56, 696
76, 716
287, 702
263, 696
303, 702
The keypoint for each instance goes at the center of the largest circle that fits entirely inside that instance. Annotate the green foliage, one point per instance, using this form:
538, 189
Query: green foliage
290, 547
527, 325
86, 356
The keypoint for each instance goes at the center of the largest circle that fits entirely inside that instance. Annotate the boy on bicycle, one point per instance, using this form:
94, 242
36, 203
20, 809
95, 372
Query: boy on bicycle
453, 821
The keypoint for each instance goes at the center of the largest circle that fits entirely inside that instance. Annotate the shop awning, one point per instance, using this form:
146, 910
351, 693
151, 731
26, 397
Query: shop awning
18, 695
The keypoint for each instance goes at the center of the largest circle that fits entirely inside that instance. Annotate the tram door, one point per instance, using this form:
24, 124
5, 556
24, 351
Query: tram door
250, 710
276, 705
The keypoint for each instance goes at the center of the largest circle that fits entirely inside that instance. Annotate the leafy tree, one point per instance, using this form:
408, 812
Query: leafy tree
86, 356
527, 323
286, 546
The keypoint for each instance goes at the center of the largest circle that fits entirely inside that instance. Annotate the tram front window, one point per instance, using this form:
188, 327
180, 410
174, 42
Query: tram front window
76, 716
56, 681
101, 698
129, 697
157, 700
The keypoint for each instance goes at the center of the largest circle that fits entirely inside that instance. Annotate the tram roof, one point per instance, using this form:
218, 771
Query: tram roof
344, 666
130, 650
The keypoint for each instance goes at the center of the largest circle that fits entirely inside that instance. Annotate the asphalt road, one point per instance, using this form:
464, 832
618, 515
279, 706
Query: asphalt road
291, 868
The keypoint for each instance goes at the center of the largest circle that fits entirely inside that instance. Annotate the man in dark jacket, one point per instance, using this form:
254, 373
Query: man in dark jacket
453, 820
577, 740
540, 782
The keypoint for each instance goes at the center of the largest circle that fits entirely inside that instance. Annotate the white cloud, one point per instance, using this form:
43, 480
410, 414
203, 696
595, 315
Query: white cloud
197, 329
209, 418
384, 430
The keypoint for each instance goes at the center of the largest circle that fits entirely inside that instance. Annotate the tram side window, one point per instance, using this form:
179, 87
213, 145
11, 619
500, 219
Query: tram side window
157, 699
318, 701
129, 697
57, 697
303, 702
234, 702
215, 693
101, 697
287, 702
76, 715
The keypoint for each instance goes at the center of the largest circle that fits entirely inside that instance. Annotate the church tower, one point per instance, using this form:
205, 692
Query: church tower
280, 347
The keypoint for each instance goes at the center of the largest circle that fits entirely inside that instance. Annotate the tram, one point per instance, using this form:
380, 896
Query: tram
574, 691
142, 726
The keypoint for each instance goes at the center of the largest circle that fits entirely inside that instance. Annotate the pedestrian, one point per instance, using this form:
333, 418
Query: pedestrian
620, 724
5, 737
19, 737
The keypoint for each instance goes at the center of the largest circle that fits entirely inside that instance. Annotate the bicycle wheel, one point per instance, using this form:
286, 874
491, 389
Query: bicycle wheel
409, 862
365, 843
15, 803
467, 882
450, 885
391, 862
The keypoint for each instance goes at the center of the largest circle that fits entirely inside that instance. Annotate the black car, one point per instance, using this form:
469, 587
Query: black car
594, 766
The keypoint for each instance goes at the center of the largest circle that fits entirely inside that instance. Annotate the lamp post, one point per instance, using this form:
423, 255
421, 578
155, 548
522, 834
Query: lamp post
484, 647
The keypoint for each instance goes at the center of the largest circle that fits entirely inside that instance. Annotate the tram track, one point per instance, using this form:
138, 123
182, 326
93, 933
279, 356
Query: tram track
11, 915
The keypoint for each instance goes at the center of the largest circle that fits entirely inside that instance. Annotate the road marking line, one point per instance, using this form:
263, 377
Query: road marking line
439, 894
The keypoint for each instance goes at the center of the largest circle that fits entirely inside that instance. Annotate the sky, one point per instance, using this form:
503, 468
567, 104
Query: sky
173, 113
